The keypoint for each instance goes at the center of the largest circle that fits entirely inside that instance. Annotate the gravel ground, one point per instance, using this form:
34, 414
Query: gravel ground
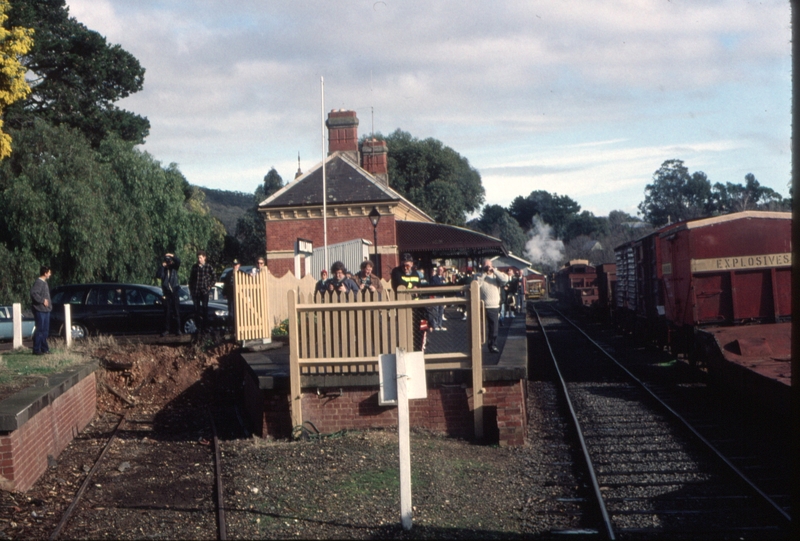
157, 479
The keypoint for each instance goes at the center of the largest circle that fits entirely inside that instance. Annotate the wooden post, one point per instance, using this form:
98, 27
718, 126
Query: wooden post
403, 431
294, 362
16, 324
68, 325
477, 356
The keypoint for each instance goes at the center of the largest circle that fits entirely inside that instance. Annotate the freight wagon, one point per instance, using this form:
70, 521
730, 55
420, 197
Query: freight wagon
606, 287
716, 289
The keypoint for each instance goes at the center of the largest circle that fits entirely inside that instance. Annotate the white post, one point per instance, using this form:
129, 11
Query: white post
67, 325
16, 318
324, 180
403, 427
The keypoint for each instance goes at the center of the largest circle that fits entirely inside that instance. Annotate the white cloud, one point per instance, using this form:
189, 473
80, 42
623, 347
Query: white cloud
230, 85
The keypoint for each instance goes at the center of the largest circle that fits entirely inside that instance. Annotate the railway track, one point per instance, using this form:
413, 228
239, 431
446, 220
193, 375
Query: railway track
649, 471
135, 473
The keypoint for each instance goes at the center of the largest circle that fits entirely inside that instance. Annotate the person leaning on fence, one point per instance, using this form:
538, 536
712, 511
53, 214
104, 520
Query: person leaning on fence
230, 294
168, 274
366, 280
201, 280
491, 283
405, 277
339, 282
42, 306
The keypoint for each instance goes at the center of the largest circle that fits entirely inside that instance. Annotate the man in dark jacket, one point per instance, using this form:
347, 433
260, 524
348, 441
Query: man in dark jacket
168, 274
230, 294
201, 280
339, 282
40, 299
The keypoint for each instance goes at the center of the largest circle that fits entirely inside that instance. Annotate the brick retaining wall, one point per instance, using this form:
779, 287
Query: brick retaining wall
447, 409
44, 427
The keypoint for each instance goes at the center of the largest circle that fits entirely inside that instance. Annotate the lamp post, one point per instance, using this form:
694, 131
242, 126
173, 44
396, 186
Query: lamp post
375, 217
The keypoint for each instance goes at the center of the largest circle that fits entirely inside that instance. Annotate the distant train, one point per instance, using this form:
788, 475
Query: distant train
577, 282
717, 290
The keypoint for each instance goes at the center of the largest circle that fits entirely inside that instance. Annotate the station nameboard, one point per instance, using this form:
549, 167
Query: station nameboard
716, 264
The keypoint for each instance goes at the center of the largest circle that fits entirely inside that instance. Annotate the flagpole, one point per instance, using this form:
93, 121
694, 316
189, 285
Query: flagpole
324, 181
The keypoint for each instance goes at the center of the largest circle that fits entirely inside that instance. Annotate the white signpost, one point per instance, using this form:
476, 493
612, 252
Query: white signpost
402, 378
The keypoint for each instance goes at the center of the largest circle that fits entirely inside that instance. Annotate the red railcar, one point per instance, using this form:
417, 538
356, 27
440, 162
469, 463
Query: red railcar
606, 287
688, 280
577, 282
729, 269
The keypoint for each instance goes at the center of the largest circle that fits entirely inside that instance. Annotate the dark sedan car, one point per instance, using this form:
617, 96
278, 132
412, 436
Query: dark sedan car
121, 309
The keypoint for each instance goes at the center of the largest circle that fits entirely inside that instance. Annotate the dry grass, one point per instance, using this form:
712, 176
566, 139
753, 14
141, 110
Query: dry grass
21, 363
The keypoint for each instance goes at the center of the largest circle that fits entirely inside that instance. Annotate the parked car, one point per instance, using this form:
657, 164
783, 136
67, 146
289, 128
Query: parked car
121, 309
224, 274
7, 324
214, 295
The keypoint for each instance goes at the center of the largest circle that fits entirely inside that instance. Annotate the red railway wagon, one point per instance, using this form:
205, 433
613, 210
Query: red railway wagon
577, 282
727, 270
639, 300
606, 286
719, 290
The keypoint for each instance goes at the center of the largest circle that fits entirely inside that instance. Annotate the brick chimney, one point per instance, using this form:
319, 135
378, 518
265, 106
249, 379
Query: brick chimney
343, 133
374, 156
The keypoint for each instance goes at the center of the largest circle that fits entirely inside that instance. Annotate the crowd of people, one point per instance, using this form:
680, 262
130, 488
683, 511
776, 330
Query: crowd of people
501, 292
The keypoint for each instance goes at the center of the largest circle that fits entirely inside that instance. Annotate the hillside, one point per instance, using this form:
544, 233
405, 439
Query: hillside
227, 206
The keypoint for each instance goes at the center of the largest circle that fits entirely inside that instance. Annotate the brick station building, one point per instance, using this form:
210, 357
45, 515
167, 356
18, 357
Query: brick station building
357, 181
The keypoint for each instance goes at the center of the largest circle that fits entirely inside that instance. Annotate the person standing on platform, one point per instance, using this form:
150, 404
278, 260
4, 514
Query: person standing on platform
368, 282
201, 280
405, 277
491, 284
438, 280
168, 274
322, 286
40, 298
230, 293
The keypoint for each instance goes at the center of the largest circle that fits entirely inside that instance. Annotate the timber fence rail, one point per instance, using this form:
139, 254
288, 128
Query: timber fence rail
346, 333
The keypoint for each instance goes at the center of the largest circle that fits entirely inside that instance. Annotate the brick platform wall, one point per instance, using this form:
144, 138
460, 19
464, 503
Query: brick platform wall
447, 409
24, 452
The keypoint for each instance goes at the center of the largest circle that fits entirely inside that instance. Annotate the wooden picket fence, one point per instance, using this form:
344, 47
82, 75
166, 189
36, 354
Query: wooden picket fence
252, 308
261, 301
345, 334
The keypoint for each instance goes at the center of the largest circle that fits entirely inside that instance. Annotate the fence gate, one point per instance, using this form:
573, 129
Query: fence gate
252, 309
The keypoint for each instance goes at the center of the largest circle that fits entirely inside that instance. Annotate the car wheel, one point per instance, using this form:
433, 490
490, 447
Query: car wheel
79, 332
189, 326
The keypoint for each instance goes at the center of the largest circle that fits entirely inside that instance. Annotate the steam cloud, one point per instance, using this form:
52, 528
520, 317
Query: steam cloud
542, 247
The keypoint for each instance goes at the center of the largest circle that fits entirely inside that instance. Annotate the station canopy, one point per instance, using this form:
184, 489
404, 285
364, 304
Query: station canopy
440, 241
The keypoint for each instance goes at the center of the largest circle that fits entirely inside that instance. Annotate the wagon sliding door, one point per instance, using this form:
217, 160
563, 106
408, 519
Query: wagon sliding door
712, 298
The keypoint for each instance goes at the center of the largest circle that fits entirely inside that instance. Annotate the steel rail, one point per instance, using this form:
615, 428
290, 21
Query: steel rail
223, 531
683, 421
87, 479
577, 425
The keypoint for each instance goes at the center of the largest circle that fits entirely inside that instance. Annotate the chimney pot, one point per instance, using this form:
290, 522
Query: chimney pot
343, 133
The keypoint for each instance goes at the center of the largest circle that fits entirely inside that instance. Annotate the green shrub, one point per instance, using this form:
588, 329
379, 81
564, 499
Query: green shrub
281, 330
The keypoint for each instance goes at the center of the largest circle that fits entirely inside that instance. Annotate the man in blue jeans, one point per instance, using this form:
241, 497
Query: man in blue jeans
40, 297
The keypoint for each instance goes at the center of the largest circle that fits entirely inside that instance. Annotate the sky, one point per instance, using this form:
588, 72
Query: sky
581, 98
